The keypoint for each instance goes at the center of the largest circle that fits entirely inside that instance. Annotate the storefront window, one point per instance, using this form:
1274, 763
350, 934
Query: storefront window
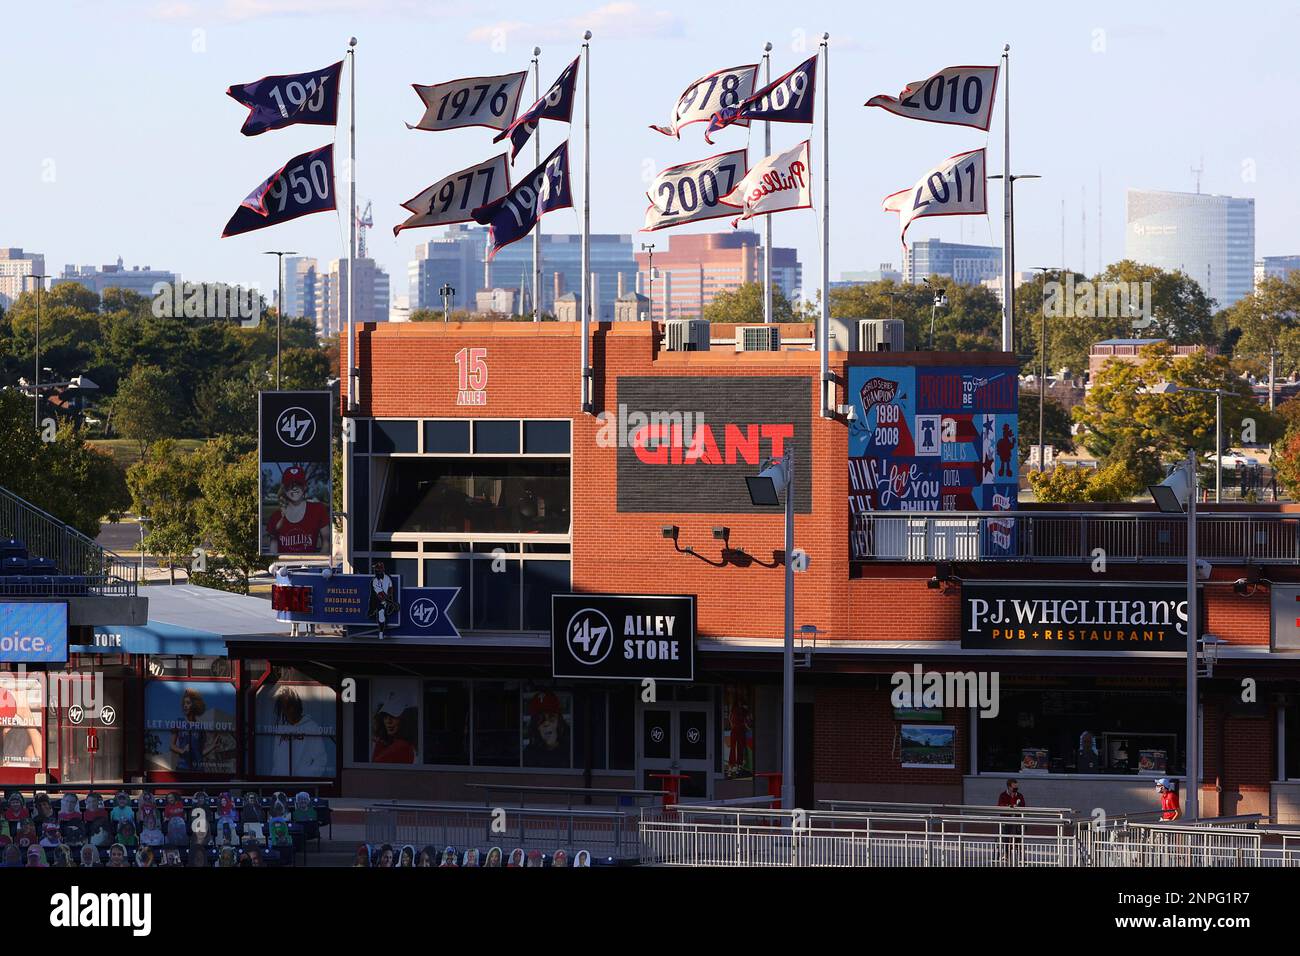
1094, 729
1292, 742
446, 722
547, 730
496, 724
477, 495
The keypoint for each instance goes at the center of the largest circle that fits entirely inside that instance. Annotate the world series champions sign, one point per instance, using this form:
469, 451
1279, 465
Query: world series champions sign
295, 484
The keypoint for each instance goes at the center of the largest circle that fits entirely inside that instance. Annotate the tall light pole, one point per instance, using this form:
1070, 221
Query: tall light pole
1009, 253
1218, 433
279, 312
649, 249
764, 490
939, 300
36, 382
1042, 371
446, 292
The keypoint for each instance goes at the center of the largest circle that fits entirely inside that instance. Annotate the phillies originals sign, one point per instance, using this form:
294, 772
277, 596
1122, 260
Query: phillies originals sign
686, 444
1074, 618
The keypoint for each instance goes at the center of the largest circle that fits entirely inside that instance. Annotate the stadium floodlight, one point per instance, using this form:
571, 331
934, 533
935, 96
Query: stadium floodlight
765, 488
1171, 494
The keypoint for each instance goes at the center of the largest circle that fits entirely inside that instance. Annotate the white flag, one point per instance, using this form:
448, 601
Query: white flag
718, 91
489, 101
778, 182
455, 197
957, 95
953, 188
693, 191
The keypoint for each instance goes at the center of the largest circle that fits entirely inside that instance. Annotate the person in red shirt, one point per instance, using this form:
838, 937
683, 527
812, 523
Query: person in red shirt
1011, 797
298, 526
390, 732
1168, 799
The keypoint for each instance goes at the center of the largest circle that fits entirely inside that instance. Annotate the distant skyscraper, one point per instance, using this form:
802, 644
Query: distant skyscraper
138, 279
300, 287
964, 264
886, 273
370, 302
15, 266
1211, 238
1276, 267
692, 269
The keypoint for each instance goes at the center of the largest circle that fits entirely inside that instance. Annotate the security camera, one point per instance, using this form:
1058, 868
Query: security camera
1203, 569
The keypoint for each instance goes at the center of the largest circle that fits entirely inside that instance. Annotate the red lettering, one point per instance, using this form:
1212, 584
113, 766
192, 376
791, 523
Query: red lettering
743, 446
778, 434
641, 439
703, 447
675, 443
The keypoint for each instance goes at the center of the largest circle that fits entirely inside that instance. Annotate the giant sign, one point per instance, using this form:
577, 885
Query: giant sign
933, 439
623, 636
1074, 618
33, 632
686, 444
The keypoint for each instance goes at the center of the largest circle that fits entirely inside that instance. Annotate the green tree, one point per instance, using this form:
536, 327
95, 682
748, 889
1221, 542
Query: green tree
1056, 424
304, 368
968, 322
1265, 321
744, 306
165, 489
229, 491
1286, 464
146, 406
1114, 482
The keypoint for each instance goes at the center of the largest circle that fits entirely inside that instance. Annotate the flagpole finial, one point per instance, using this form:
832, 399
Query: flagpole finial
767, 47
537, 51
825, 37
1006, 48
587, 35
352, 42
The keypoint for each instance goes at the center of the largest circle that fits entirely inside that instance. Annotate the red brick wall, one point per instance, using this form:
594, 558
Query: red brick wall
857, 741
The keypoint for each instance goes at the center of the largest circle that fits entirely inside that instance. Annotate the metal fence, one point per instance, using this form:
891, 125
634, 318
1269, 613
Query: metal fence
603, 832
727, 836
1063, 536
84, 567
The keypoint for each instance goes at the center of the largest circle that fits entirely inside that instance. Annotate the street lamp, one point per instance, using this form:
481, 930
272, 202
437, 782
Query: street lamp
1218, 394
446, 292
940, 301
279, 312
36, 386
764, 491
1042, 371
649, 249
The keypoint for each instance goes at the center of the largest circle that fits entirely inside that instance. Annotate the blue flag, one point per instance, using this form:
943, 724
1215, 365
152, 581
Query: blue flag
513, 216
302, 186
557, 104
277, 101
425, 613
785, 100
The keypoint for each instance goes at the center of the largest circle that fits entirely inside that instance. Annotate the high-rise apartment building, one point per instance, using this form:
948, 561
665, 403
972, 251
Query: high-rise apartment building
690, 271
15, 267
138, 279
300, 287
963, 263
370, 302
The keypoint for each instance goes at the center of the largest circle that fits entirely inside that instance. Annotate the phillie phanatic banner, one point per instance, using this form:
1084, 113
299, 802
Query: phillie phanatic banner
956, 187
302, 186
693, 191
958, 96
708, 94
455, 197
489, 101
557, 104
513, 216
277, 101
786, 100
779, 182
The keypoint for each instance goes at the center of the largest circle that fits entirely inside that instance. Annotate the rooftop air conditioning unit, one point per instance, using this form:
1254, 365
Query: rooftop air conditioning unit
880, 335
758, 338
686, 335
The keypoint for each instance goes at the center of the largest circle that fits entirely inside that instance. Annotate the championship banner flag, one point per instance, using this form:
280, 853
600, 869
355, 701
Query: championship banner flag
302, 186
779, 182
557, 104
489, 101
693, 191
957, 96
956, 187
786, 100
708, 94
277, 101
455, 197
513, 216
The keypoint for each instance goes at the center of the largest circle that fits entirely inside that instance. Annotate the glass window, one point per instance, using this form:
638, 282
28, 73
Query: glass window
477, 495
361, 435
446, 722
541, 580
171, 666
496, 724
546, 438
395, 436
451, 573
360, 502
496, 594
446, 438
622, 729
496, 438
547, 729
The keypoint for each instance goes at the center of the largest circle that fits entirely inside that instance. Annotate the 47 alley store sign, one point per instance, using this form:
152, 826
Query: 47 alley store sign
1055, 617
623, 636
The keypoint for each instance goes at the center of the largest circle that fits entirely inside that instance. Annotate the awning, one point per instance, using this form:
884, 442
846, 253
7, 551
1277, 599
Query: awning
189, 620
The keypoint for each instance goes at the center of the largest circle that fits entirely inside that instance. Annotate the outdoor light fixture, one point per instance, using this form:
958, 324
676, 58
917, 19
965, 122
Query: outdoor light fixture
669, 531
765, 487
1171, 494
1210, 645
721, 533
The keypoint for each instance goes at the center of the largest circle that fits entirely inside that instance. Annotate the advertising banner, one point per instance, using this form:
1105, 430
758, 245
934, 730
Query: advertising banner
296, 733
424, 613
309, 597
21, 703
293, 448
190, 726
623, 636
686, 444
33, 632
1060, 617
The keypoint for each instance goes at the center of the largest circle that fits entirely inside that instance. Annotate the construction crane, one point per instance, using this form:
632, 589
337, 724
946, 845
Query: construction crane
364, 222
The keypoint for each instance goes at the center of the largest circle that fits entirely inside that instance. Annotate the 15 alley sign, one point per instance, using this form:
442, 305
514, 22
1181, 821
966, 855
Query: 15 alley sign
623, 636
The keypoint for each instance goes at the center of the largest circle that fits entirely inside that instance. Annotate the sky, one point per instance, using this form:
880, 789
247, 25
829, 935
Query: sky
121, 141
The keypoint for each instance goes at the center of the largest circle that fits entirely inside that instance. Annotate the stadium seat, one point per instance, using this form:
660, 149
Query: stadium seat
13, 564
42, 566
13, 548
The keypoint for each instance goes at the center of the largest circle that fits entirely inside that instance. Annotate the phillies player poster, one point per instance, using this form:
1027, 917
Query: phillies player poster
295, 475
936, 439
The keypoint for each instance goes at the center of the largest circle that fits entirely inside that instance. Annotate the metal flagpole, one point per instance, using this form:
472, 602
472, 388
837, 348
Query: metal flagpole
537, 161
1191, 798
1008, 216
823, 338
352, 251
767, 220
584, 299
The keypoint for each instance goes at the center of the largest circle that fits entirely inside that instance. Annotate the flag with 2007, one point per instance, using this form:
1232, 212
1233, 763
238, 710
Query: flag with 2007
514, 215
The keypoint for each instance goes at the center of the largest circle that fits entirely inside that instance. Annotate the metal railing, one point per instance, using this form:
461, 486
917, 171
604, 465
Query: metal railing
1072, 537
604, 832
84, 566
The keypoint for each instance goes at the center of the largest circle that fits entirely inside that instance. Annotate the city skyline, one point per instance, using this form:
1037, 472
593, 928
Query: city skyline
164, 179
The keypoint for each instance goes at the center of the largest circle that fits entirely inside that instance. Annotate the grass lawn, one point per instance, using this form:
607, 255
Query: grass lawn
126, 452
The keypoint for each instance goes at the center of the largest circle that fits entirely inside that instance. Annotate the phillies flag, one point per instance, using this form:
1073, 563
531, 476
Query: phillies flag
454, 198
787, 100
513, 216
957, 96
488, 101
779, 182
953, 188
557, 104
708, 94
303, 185
277, 101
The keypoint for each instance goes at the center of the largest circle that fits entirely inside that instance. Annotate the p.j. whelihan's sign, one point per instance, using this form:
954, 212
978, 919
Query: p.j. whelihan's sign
1073, 618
